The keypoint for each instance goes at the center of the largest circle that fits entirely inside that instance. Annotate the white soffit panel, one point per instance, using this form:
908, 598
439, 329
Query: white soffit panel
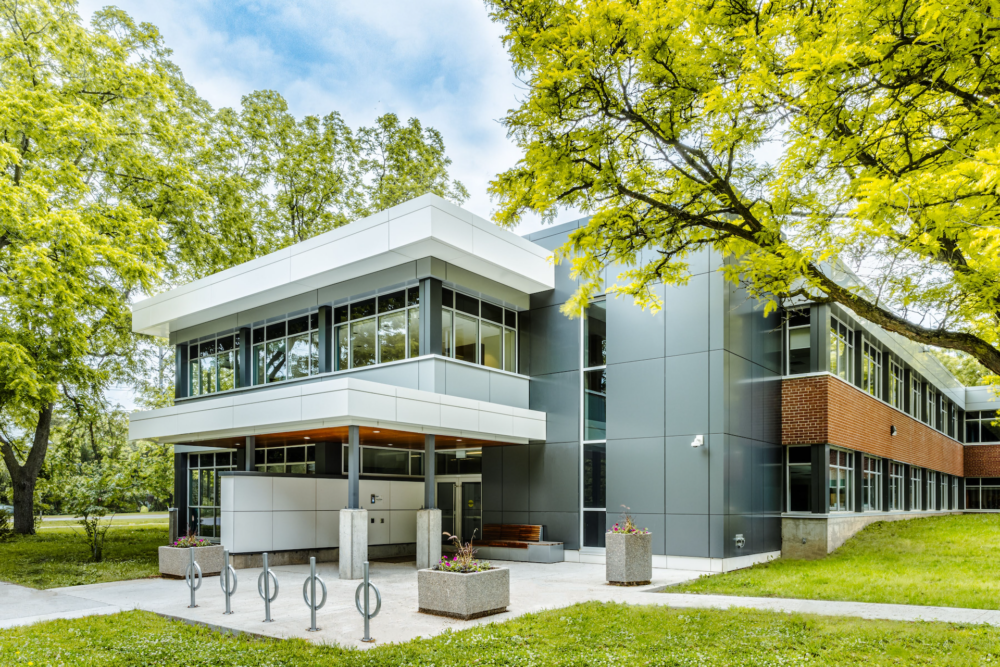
427, 226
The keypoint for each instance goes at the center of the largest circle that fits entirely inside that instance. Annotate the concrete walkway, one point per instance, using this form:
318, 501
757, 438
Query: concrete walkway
534, 587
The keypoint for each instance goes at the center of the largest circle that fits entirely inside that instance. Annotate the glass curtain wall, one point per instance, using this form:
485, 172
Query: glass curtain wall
594, 427
478, 331
204, 497
392, 462
286, 349
841, 481
377, 330
296, 459
214, 364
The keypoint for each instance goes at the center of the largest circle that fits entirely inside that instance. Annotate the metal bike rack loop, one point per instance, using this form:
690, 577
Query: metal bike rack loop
228, 575
309, 593
264, 589
192, 576
365, 586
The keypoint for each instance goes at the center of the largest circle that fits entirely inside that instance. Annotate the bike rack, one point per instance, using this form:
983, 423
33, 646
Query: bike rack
192, 573
365, 586
309, 593
264, 589
228, 575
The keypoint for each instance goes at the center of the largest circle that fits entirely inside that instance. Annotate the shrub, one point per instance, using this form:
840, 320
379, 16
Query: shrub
190, 540
6, 530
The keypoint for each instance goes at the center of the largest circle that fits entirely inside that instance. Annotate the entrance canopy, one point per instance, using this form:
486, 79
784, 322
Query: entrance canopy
322, 411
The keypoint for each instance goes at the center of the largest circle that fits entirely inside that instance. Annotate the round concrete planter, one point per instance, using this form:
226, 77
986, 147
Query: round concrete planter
463, 596
174, 561
628, 558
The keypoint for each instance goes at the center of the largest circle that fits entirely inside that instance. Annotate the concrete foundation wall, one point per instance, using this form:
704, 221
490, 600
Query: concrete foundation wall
810, 538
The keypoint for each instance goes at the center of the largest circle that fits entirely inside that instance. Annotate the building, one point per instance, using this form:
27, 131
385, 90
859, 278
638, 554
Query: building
419, 358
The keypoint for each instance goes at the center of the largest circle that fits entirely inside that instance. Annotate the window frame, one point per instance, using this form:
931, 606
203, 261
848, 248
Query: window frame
788, 338
847, 477
842, 334
897, 490
871, 369
448, 338
871, 481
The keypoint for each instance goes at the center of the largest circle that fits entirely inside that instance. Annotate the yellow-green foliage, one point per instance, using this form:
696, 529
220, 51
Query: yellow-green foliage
945, 561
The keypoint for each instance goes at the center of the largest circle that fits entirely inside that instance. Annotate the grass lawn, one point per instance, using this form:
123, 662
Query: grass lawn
948, 561
586, 634
60, 557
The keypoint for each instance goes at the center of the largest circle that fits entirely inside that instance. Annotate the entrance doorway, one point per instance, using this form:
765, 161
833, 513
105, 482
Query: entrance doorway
460, 499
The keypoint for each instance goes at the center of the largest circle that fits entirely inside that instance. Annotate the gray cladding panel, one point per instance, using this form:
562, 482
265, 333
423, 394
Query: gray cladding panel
716, 535
718, 496
379, 281
558, 396
687, 317
554, 477
432, 376
686, 476
635, 399
508, 390
718, 394
766, 400
492, 480
559, 526
635, 475
687, 535
686, 394
515, 479
565, 287
555, 342
739, 474
634, 334
717, 317
740, 396
739, 322
467, 382
397, 375
766, 477
767, 339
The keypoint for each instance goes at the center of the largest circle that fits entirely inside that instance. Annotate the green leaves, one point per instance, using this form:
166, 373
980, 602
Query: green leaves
789, 136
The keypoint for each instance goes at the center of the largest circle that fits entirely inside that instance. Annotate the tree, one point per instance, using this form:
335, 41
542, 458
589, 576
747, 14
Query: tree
95, 129
788, 136
968, 371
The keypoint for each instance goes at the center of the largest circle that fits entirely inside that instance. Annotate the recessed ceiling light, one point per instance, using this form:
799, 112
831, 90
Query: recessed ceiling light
307, 437
460, 440
390, 444
376, 431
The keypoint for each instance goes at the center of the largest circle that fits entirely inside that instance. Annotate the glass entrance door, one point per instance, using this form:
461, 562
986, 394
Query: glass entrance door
446, 503
472, 510
460, 499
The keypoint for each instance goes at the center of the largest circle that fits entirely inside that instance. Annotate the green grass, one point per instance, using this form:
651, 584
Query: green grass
593, 633
948, 561
60, 557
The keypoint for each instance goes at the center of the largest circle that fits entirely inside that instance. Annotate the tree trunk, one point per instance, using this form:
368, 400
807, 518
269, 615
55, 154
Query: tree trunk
23, 477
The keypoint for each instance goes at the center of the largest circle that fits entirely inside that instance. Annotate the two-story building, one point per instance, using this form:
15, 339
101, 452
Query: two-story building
419, 358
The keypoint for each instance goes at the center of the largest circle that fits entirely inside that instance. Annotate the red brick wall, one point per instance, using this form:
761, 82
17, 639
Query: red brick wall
825, 409
982, 461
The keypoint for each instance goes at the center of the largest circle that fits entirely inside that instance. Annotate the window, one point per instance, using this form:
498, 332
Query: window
895, 385
872, 480
377, 330
942, 414
285, 348
981, 427
204, 492
931, 409
916, 396
214, 364
982, 493
594, 427
478, 331
295, 459
931, 490
915, 496
841, 480
797, 341
953, 428
871, 370
393, 462
799, 482
896, 487
841, 350
943, 492
954, 493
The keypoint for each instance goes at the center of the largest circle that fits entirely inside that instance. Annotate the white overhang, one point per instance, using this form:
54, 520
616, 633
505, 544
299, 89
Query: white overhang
427, 226
340, 402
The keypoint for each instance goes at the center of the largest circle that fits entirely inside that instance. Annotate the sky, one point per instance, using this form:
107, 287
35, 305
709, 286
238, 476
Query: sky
441, 61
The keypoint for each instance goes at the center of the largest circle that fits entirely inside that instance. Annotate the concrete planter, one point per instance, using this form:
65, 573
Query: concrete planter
174, 562
628, 558
463, 596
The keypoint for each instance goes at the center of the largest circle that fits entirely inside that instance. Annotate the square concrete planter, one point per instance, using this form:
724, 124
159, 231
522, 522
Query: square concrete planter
628, 558
174, 562
463, 596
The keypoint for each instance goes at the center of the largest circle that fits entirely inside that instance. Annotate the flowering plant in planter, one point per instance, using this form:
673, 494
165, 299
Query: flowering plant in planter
464, 560
626, 525
191, 540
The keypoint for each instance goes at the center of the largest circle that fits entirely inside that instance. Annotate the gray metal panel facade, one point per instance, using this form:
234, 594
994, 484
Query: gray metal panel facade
707, 364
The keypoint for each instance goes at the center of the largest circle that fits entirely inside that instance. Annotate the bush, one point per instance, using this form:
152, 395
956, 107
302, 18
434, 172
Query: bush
6, 529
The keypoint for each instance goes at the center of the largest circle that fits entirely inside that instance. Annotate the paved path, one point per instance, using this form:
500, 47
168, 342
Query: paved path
534, 587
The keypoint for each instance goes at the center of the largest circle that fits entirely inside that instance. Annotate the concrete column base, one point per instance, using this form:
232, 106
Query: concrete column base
428, 538
353, 543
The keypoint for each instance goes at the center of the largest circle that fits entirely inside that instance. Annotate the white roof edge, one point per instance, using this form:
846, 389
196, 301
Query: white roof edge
427, 226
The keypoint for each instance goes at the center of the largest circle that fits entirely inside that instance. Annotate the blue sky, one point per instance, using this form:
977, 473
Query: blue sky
439, 60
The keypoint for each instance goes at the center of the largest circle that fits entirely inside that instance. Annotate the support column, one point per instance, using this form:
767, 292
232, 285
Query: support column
353, 520
181, 492
430, 316
251, 455
325, 339
820, 478
429, 518
181, 380
245, 354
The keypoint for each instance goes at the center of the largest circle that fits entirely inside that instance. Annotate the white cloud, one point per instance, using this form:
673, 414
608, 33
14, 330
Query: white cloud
439, 60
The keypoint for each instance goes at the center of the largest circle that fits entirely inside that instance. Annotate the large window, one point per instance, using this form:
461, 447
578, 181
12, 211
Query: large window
286, 348
932, 490
897, 488
930, 411
841, 350
204, 497
841, 480
797, 342
799, 482
871, 370
594, 427
916, 396
915, 489
982, 493
982, 427
872, 480
478, 331
377, 330
398, 462
298, 459
896, 386
214, 364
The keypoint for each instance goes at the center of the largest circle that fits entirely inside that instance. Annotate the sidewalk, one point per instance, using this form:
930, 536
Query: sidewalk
534, 587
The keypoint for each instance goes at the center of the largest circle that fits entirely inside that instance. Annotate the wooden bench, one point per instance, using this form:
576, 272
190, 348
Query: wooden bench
518, 542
